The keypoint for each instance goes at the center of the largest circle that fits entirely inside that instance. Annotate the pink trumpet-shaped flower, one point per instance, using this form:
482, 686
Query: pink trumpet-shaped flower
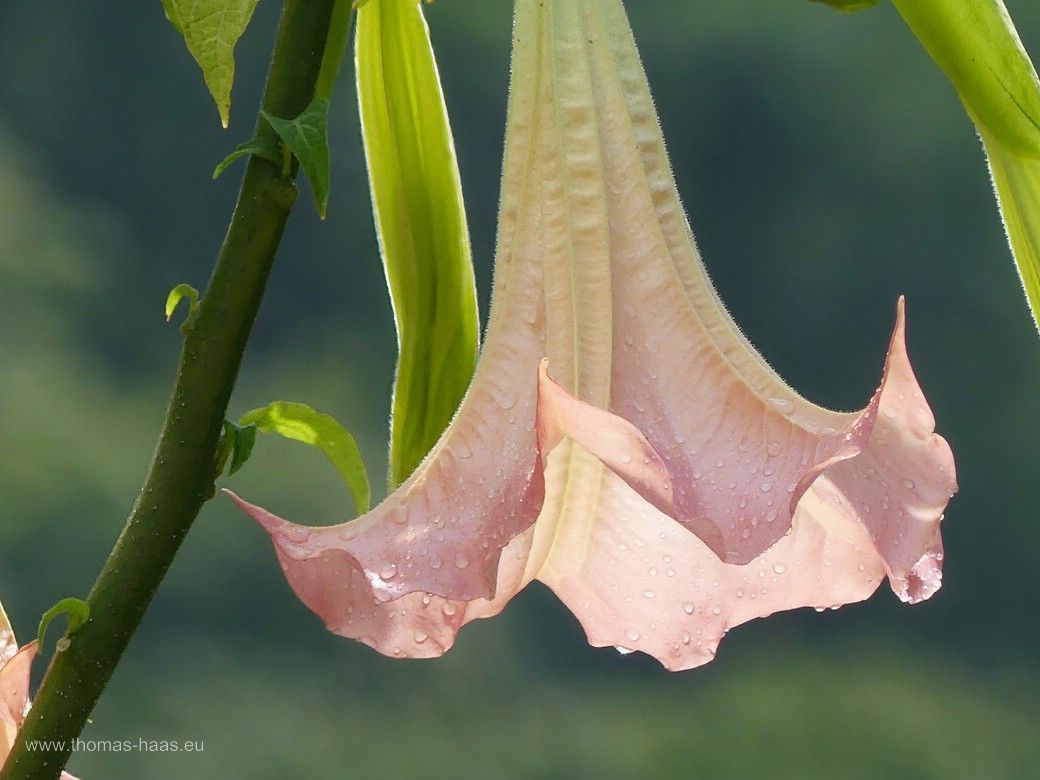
15, 666
654, 472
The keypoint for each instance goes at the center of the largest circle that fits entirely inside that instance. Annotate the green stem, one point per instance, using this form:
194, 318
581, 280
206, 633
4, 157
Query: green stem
180, 478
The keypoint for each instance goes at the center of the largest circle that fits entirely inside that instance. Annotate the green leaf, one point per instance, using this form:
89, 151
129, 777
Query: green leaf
77, 610
302, 423
245, 440
977, 46
308, 138
263, 146
849, 6
421, 224
1016, 179
228, 434
177, 294
211, 28
235, 443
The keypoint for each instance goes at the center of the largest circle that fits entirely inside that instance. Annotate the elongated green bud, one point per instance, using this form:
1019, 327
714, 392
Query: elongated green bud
977, 46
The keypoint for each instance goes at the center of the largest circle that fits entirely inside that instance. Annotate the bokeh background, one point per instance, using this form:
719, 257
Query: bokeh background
827, 167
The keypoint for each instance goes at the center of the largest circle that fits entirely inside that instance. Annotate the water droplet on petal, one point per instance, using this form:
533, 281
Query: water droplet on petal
632, 635
461, 560
420, 637
688, 607
389, 571
297, 534
779, 568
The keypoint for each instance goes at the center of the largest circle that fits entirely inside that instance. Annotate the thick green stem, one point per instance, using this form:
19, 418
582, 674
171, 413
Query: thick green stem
180, 478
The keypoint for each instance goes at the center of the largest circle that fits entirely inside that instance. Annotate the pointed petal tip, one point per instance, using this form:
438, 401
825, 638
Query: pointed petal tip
267, 520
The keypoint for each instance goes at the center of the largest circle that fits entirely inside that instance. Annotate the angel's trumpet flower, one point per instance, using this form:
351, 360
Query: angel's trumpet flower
654, 472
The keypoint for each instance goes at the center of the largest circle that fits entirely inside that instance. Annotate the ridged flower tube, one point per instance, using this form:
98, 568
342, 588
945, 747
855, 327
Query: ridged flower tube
622, 442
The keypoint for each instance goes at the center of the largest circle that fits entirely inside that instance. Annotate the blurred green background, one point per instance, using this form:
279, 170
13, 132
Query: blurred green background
827, 167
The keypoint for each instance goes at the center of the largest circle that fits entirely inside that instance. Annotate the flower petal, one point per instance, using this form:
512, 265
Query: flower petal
886, 470
14, 695
443, 530
413, 625
640, 581
8, 645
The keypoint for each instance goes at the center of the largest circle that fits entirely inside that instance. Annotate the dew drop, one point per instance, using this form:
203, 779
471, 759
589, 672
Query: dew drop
632, 635
389, 571
461, 560
649, 594
688, 607
779, 568
716, 610
449, 609
420, 637
298, 534
765, 487
773, 449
